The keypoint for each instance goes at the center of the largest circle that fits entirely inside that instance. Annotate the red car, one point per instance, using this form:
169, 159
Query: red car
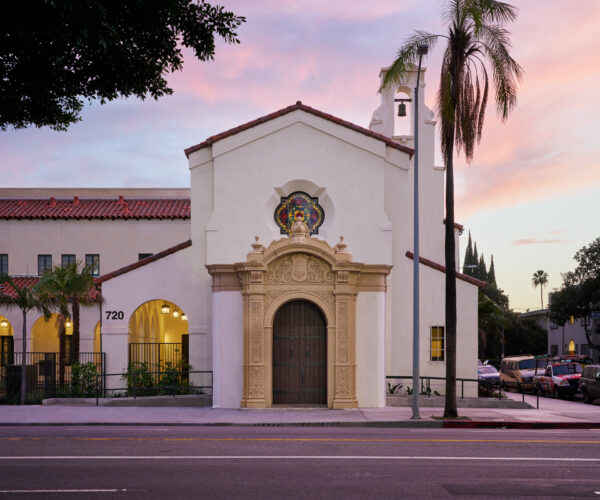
560, 379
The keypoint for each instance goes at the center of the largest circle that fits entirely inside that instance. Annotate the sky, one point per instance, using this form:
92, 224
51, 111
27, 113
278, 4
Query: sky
530, 196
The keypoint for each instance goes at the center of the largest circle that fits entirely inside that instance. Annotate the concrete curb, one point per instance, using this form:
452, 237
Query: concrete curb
423, 424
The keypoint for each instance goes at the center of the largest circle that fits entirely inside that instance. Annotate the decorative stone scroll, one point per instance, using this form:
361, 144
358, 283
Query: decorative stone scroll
299, 268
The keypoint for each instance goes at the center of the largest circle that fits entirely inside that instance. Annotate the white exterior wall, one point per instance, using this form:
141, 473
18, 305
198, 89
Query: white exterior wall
298, 152
171, 278
370, 349
117, 241
228, 349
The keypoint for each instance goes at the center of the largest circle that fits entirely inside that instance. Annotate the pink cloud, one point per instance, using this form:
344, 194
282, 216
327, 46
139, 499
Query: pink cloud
536, 241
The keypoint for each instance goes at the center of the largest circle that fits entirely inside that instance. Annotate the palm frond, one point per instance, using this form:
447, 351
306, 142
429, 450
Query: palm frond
407, 57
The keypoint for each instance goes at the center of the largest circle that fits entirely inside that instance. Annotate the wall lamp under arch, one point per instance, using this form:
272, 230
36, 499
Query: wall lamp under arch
3, 323
183, 317
68, 324
165, 309
175, 313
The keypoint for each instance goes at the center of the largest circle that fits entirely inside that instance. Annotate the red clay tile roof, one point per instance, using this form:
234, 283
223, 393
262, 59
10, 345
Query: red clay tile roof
143, 262
458, 226
439, 267
31, 281
95, 209
295, 107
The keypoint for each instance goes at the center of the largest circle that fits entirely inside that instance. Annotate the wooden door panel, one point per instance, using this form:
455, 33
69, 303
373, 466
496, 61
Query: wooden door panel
299, 355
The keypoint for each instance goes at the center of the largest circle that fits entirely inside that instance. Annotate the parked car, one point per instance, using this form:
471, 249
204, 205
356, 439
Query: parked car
560, 379
489, 380
488, 373
589, 383
517, 372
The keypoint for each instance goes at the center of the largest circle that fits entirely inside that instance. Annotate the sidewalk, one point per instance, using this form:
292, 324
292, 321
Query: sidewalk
552, 414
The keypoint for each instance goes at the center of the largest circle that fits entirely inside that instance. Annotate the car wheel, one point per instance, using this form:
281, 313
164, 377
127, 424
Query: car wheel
587, 399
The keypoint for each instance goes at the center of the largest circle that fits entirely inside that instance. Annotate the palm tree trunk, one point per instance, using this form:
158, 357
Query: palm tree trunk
542, 295
61, 353
24, 359
76, 322
450, 410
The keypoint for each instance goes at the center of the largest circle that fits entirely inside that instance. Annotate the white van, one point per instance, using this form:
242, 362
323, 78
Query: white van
517, 372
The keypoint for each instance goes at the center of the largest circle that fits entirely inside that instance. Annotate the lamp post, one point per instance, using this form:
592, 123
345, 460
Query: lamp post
421, 51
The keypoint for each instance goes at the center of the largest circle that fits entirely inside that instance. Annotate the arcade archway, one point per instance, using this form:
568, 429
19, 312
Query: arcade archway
158, 335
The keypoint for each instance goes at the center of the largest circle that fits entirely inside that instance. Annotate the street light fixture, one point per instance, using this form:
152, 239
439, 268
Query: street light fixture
421, 51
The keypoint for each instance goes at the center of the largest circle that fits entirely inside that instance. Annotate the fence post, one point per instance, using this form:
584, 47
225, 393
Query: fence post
462, 388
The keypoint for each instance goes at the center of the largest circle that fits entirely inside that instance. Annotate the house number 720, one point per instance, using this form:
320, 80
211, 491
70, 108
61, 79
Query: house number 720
114, 315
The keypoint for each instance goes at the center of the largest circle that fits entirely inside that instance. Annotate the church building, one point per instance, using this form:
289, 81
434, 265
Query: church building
295, 278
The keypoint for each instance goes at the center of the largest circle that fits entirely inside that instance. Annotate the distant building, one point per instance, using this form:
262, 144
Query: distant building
570, 338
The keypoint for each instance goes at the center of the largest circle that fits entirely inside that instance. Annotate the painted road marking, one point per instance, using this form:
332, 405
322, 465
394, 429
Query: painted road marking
300, 457
347, 440
61, 491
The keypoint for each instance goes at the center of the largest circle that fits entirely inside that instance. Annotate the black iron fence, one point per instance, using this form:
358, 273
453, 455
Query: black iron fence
139, 381
428, 386
159, 355
47, 376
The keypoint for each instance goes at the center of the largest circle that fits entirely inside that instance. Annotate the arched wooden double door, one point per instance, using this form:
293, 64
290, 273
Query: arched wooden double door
299, 354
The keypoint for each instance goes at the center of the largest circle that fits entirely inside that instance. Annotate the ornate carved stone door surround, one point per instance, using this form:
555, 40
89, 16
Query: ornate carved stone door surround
291, 268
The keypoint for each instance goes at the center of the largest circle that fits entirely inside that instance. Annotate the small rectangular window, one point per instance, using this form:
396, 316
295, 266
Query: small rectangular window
554, 350
92, 260
142, 256
585, 349
66, 259
437, 343
44, 262
3, 263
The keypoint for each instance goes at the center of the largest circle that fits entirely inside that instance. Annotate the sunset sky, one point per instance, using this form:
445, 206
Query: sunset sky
531, 196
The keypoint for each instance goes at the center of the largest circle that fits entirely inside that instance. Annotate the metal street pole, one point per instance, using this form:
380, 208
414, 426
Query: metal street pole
421, 50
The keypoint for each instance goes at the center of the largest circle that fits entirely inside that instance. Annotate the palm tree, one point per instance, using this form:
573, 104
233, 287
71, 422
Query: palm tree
26, 299
476, 41
71, 284
540, 278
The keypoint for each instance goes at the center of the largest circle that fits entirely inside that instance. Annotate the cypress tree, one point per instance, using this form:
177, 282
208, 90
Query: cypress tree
475, 270
468, 257
492, 273
482, 269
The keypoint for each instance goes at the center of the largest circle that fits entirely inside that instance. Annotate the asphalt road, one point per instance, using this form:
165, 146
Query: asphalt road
275, 462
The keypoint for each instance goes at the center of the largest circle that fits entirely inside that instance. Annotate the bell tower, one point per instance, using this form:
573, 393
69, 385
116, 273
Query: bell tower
382, 120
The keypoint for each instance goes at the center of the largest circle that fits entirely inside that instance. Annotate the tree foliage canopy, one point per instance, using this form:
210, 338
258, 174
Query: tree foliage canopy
70, 285
54, 54
580, 291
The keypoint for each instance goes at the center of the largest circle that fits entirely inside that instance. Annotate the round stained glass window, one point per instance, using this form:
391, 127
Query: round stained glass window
299, 204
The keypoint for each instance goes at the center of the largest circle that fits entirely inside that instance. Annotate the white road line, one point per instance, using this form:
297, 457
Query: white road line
300, 457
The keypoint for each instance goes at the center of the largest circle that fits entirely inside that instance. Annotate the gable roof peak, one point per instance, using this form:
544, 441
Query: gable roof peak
289, 109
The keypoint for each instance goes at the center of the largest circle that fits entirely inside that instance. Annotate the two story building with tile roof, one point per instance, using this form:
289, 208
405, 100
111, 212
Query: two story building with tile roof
295, 274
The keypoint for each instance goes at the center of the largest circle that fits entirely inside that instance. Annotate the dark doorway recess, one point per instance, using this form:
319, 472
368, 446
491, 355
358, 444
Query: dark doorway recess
299, 355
